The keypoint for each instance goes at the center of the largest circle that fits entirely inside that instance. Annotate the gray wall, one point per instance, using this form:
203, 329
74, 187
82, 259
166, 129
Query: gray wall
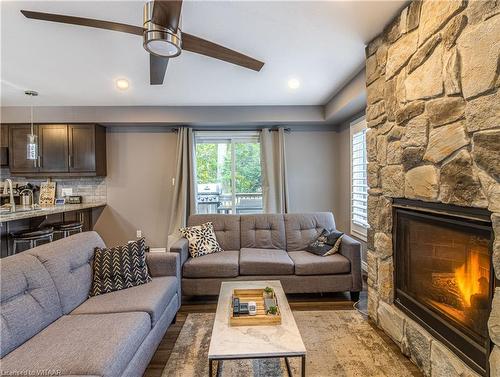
141, 167
139, 185
310, 158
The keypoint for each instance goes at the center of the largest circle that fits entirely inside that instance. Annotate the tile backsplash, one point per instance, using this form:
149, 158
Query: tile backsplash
92, 189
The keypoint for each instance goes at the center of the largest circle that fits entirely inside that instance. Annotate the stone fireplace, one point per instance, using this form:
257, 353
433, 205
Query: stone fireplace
433, 112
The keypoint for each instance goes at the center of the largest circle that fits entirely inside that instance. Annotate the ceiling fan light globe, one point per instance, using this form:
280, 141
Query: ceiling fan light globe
162, 43
162, 48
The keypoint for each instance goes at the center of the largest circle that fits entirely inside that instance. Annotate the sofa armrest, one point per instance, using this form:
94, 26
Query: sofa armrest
351, 249
163, 264
181, 247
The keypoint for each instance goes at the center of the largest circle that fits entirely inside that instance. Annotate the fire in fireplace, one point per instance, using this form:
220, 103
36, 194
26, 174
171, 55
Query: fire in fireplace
443, 273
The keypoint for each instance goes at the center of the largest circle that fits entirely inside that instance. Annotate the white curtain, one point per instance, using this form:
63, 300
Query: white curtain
274, 175
184, 196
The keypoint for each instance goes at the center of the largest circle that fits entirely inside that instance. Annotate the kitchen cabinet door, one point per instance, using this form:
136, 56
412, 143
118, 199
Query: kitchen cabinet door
82, 156
53, 148
4, 145
84, 216
4, 135
18, 162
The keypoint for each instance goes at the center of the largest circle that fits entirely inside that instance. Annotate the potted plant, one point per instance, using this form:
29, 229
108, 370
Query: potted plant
273, 310
268, 292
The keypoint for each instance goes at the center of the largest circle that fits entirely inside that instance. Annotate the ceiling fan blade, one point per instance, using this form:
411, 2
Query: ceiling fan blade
204, 47
131, 29
157, 69
167, 13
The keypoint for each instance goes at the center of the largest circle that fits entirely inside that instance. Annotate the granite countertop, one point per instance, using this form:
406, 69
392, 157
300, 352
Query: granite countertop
48, 211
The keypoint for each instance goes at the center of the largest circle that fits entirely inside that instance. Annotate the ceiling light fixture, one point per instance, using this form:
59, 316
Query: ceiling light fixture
160, 40
122, 84
293, 83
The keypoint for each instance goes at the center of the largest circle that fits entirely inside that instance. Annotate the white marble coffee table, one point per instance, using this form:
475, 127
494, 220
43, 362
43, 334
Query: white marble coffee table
254, 342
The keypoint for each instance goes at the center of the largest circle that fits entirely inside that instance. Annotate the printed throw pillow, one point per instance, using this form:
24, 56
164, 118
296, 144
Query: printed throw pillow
119, 268
327, 243
202, 239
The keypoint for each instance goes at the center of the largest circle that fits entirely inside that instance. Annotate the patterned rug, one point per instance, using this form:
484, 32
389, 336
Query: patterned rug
339, 343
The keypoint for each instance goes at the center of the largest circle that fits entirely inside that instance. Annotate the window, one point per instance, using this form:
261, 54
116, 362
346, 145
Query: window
359, 186
228, 172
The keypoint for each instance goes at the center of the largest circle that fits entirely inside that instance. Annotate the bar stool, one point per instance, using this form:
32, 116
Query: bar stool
67, 227
33, 236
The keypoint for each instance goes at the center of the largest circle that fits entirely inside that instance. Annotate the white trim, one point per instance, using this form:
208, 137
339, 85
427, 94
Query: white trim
357, 229
237, 136
364, 266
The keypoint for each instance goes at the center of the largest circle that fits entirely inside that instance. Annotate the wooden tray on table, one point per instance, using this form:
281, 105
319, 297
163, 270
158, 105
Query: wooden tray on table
261, 318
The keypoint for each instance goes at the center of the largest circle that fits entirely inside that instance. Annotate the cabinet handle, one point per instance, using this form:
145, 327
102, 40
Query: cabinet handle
38, 161
69, 161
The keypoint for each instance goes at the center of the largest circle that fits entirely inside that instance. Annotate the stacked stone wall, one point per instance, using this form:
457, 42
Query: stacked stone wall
433, 112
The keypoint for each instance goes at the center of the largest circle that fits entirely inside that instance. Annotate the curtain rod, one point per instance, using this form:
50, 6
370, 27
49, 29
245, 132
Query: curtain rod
286, 129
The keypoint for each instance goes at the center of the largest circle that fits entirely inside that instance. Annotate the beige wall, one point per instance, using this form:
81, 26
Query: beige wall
140, 171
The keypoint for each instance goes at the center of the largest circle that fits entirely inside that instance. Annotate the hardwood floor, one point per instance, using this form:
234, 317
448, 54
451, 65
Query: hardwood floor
333, 301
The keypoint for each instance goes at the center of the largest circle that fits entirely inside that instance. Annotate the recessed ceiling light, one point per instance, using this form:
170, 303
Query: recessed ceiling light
293, 84
122, 84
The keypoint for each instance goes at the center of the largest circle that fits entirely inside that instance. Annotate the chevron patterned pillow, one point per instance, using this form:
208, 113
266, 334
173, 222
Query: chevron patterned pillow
119, 268
202, 239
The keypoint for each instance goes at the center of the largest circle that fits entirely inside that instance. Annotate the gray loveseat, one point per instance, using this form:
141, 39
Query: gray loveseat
271, 247
49, 325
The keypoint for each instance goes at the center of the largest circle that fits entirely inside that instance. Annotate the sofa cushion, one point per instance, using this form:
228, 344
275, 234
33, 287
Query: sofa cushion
310, 264
91, 344
28, 300
265, 262
327, 243
217, 265
151, 298
263, 231
226, 227
119, 267
68, 261
302, 229
202, 239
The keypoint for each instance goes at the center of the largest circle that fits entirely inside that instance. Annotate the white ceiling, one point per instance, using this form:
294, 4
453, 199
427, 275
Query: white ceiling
320, 43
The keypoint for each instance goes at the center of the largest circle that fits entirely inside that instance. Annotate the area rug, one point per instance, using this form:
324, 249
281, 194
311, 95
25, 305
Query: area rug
338, 343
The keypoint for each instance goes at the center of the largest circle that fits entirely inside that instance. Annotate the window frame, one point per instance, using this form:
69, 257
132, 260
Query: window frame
232, 138
357, 229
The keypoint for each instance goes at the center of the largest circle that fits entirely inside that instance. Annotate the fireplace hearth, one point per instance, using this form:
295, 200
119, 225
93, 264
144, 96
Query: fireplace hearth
443, 274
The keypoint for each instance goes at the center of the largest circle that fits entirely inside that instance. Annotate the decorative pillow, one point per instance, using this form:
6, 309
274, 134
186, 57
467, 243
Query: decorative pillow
202, 239
327, 243
119, 268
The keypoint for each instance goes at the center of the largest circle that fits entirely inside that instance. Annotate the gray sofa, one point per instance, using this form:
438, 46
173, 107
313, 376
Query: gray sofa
271, 247
49, 325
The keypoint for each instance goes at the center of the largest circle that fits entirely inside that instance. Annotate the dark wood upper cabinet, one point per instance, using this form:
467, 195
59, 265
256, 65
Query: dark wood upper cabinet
4, 145
18, 162
53, 148
4, 135
81, 147
64, 150
87, 149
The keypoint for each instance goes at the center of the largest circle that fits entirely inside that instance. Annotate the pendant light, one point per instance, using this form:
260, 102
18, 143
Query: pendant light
31, 139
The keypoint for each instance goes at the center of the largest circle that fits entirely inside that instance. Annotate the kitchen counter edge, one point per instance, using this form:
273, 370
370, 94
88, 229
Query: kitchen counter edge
49, 211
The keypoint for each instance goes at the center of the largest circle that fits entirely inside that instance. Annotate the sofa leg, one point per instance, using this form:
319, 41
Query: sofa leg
174, 320
354, 296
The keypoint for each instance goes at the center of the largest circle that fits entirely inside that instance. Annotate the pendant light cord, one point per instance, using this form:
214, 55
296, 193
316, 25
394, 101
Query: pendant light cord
31, 108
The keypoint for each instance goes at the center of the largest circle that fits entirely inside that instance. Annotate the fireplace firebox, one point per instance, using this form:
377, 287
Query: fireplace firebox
443, 274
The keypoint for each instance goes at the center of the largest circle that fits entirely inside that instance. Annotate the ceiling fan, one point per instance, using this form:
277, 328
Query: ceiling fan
162, 37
